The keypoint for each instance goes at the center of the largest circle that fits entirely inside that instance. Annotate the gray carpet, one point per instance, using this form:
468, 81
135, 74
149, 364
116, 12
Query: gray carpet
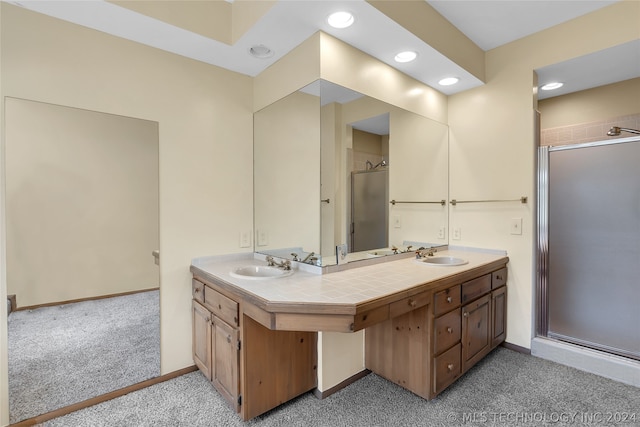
69, 353
505, 389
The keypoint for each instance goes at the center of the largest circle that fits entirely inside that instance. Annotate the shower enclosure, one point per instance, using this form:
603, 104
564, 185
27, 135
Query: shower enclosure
589, 245
369, 210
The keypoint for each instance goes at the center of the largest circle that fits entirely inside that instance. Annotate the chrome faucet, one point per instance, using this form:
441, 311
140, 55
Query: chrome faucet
421, 254
308, 257
285, 264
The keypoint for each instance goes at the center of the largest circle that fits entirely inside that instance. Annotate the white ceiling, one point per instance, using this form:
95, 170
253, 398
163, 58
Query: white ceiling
491, 23
488, 23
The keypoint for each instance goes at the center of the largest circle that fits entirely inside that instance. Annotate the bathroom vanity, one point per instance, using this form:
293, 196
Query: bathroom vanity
425, 325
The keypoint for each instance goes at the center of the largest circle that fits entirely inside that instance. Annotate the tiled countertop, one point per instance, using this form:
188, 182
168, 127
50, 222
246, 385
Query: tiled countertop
350, 287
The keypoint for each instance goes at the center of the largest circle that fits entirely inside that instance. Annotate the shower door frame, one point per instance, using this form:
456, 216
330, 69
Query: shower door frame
542, 253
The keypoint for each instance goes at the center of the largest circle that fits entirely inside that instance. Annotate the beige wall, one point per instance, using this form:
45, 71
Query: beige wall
287, 174
4, 355
205, 140
82, 203
493, 149
586, 116
613, 100
366, 142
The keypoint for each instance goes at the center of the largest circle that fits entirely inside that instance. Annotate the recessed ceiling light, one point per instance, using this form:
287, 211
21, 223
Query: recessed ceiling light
448, 81
261, 51
406, 56
552, 86
341, 19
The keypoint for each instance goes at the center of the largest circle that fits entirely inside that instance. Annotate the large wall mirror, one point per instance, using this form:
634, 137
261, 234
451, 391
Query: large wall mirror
333, 166
82, 218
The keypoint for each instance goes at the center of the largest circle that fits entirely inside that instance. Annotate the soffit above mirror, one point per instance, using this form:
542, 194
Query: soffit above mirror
261, 22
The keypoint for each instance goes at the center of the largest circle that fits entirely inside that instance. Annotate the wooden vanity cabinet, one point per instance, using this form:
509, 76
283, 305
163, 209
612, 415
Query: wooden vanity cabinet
446, 366
253, 368
216, 344
499, 313
476, 331
427, 348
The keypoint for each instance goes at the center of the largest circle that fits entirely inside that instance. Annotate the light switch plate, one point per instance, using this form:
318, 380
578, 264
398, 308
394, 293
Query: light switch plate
456, 233
245, 239
516, 226
263, 238
396, 221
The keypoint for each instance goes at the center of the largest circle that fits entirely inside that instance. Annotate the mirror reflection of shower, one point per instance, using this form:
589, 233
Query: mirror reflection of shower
615, 131
369, 192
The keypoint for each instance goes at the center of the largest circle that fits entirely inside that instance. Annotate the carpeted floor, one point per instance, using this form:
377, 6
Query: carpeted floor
504, 389
69, 353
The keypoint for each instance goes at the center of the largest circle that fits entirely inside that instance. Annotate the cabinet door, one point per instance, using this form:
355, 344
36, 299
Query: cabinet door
225, 361
498, 316
476, 330
201, 347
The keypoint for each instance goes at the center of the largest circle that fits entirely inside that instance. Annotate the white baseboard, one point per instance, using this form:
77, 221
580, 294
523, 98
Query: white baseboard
607, 365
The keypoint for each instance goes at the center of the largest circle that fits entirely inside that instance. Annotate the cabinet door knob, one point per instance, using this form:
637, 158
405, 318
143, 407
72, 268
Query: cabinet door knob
229, 338
413, 303
499, 277
465, 314
207, 319
197, 290
449, 299
450, 367
449, 330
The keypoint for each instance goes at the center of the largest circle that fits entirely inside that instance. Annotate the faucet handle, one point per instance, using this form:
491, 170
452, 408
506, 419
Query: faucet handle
270, 260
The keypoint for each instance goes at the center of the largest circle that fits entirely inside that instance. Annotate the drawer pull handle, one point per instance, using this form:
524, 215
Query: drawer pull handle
499, 277
229, 338
197, 290
465, 314
207, 319
450, 367
449, 299
450, 330
413, 303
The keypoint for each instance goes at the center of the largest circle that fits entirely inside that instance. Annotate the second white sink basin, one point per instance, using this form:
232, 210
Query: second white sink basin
443, 260
258, 272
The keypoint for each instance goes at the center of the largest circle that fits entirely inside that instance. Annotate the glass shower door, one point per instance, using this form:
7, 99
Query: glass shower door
593, 282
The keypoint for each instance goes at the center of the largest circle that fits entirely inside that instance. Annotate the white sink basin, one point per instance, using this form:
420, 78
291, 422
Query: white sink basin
260, 272
443, 260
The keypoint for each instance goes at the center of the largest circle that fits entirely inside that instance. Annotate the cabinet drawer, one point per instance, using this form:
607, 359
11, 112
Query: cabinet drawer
447, 330
406, 305
371, 317
197, 290
476, 288
221, 306
446, 368
447, 300
498, 278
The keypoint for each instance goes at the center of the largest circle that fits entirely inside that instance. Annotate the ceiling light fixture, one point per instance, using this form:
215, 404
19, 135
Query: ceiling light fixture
261, 51
552, 86
448, 81
341, 19
406, 56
